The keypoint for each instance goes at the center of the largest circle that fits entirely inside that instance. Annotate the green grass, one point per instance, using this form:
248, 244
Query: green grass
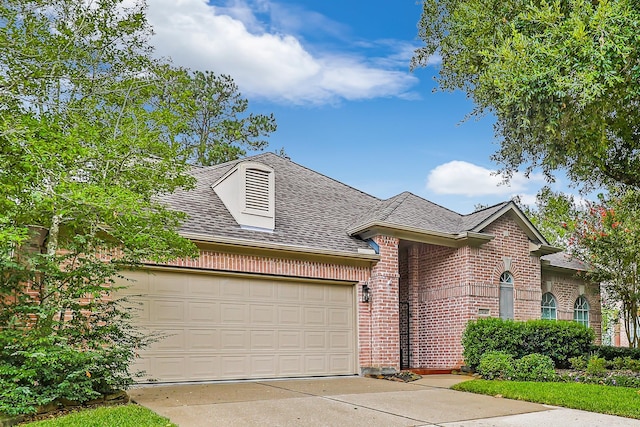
604, 399
109, 416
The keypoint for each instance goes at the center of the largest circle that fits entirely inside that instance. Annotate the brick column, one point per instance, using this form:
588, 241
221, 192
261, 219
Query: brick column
414, 306
385, 322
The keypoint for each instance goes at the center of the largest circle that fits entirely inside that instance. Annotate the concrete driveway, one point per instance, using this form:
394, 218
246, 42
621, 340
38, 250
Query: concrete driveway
353, 401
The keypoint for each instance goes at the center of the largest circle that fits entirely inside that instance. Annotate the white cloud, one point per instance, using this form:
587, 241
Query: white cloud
528, 199
463, 178
265, 63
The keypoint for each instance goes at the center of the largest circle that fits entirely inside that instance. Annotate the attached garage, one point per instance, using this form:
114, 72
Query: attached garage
220, 327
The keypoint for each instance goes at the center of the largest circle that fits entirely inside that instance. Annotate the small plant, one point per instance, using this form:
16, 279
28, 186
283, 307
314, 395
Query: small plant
596, 366
619, 363
578, 363
535, 367
632, 364
496, 365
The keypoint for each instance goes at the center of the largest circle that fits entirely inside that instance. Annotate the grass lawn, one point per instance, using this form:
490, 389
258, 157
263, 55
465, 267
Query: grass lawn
604, 399
108, 416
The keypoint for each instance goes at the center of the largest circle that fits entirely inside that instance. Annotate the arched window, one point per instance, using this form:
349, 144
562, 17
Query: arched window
581, 311
506, 295
549, 311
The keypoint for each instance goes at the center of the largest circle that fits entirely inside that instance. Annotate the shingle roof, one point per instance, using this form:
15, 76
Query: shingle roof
407, 209
565, 260
311, 210
314, 211
473, 220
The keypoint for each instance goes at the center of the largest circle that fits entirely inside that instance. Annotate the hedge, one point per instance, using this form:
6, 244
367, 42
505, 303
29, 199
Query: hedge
610, 353
560, 340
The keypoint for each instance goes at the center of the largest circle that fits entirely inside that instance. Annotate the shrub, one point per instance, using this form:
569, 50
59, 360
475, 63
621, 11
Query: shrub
496, 365
619, 363
485, 335
535, 367
610, 353
596, 366
579, 363
632, 364
560, 340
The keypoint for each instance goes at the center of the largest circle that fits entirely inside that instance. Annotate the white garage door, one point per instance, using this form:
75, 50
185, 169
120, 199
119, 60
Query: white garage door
221, 327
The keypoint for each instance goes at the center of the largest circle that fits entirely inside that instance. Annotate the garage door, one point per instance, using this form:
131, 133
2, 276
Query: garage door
220, 327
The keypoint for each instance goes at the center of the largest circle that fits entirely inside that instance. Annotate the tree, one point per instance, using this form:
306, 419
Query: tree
554, 215
87, 150
608, 238
216, 127
561, 78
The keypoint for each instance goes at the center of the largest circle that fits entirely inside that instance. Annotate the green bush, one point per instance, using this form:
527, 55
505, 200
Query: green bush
610, 353
496, 365
37, 370
632, 364
579, 363
535, 367
596, 366
485, 335
619, 363
559, 340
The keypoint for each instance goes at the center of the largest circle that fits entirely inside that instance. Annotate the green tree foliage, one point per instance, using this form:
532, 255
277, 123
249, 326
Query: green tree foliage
554, 215
215, 126
608, 238
561, 77
91, 132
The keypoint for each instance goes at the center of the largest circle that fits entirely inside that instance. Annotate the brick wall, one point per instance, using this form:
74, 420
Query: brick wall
447, 287
566, 288
218, 260
380, 316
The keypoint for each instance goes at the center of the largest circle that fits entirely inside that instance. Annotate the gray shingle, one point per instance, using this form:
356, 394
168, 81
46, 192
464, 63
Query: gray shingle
472, 220
314, 211
565, 260
407, 209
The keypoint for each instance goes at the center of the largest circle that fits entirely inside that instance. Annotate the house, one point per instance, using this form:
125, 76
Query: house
302, 275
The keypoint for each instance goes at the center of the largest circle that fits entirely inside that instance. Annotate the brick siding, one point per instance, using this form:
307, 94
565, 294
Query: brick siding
566, 288
447, 287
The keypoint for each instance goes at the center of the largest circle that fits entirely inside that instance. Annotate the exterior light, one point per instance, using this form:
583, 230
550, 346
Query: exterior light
366, 295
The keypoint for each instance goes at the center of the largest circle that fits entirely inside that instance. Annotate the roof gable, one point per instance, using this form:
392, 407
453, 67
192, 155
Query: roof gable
479, 220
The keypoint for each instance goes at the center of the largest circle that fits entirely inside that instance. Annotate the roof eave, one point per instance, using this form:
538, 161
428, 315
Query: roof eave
520, 218
547, 266
540, 249
454, 240
280, 248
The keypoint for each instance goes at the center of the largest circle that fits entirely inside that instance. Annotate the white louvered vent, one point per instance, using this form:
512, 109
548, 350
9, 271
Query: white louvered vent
248, 193
257, 189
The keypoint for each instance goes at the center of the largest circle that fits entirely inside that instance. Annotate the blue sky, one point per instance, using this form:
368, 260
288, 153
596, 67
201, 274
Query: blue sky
336, 76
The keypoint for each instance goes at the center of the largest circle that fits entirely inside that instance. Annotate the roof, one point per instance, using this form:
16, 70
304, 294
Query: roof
316, 212
312, 210
564, 261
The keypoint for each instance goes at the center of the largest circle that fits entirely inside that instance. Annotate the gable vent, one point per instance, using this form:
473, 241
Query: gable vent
248, 193
257, 190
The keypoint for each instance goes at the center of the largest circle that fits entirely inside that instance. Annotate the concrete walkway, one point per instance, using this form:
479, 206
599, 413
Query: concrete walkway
353, 401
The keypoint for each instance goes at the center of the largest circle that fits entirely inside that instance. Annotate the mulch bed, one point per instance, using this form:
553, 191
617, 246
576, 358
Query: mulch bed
402, 376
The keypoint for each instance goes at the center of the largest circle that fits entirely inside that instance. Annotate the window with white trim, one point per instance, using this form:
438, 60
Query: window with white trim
581, 311
506, 295
549, 307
